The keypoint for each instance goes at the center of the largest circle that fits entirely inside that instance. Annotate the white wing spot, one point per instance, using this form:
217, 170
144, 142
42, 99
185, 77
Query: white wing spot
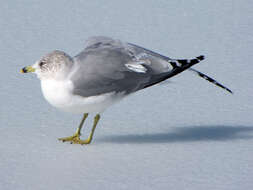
136, 67
178, 64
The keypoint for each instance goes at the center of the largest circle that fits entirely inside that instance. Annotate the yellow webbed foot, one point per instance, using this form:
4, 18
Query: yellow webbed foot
82, 142
75, 139
71, 138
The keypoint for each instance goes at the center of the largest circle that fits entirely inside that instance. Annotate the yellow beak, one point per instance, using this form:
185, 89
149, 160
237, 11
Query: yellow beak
27, 69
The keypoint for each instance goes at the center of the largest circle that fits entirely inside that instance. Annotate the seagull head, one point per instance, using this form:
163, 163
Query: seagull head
53, 65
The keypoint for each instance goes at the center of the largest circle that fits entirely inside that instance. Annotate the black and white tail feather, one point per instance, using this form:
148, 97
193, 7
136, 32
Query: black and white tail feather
182, 63
179, 65
209, 79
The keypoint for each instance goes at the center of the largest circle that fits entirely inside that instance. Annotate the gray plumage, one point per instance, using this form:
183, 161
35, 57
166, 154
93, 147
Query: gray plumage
102, 67
102, 74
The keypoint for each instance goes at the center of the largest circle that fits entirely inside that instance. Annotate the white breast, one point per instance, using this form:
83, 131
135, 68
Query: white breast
59, 94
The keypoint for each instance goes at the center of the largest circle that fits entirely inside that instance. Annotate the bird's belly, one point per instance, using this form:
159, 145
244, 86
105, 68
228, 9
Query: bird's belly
92, 104
59, 95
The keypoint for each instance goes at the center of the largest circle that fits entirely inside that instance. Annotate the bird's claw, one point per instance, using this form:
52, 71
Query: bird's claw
75, 139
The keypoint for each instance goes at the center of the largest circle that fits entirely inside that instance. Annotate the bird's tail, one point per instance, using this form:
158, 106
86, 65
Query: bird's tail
178, 66
182, 63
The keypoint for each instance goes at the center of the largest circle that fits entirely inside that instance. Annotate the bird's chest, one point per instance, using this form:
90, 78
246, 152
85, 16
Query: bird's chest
57, 93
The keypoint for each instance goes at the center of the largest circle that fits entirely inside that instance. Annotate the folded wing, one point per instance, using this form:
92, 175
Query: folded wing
108, 65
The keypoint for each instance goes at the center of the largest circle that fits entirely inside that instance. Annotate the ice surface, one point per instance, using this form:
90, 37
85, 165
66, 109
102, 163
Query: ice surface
185, 134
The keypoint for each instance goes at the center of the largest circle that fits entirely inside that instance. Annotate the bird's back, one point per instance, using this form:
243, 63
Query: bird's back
108, 65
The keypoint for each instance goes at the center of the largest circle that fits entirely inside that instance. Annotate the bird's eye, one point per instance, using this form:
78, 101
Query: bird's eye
42, 63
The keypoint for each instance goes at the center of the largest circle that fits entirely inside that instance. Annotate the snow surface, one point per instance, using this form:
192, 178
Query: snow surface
183, 134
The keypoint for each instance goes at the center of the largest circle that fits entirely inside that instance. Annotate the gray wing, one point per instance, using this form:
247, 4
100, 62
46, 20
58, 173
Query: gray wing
108, 65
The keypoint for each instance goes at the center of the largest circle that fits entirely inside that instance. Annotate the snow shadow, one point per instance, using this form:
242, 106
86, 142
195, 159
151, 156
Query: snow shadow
185, 134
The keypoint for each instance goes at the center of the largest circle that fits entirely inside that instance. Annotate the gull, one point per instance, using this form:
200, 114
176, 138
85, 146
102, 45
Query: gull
106, 71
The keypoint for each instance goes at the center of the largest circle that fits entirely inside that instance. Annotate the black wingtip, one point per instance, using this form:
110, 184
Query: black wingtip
186, 62
201, 57
230, 91
209, 79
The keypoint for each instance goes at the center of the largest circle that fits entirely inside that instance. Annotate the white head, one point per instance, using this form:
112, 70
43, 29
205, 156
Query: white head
54, 65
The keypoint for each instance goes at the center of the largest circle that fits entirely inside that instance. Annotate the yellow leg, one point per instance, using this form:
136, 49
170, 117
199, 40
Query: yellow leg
89, 139
76, 137
77, 134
